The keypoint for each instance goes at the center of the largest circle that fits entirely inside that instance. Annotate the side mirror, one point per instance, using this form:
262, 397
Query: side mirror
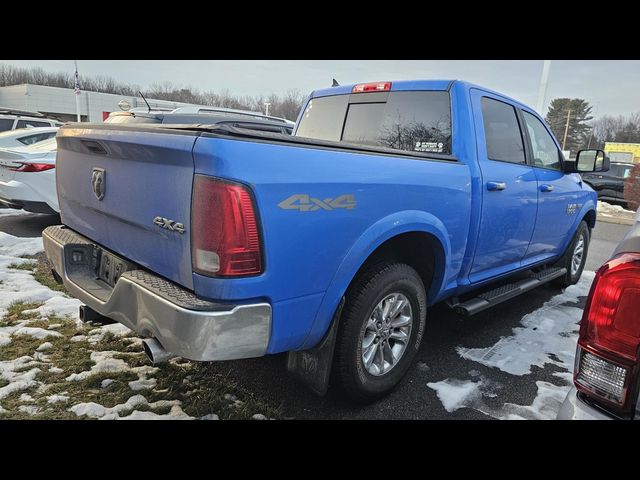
588, 161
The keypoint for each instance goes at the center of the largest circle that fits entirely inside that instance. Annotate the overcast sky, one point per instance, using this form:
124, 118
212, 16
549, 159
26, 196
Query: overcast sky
611, 86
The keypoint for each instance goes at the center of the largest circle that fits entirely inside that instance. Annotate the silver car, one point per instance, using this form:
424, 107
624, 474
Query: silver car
607, 369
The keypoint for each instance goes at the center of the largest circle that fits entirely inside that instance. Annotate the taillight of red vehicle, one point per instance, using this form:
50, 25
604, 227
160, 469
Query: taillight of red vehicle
225, 240
33, 167
607, 358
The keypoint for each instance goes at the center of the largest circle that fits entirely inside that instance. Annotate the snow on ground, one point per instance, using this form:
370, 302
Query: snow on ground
548, 335
57, 398
61, 306
117, 329
20, 286
608, 209
104, 362
454, 393
19, 374
36, 332
16, 246
95, 410
13, 372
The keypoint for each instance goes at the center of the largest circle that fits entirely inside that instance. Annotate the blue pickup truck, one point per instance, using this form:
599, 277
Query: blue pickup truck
219, 243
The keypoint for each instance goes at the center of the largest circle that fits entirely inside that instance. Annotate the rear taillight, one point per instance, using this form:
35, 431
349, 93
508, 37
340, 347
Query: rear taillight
372, 87
224, 236
607, 357
33, 167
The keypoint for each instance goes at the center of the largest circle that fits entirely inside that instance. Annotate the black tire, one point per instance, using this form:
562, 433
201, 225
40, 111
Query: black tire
566, 259
369, 289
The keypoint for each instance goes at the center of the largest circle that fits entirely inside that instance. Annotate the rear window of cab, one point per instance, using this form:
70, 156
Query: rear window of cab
415, 121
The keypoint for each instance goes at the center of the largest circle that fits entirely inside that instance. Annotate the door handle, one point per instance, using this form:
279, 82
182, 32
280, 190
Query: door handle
546, 188
496, 186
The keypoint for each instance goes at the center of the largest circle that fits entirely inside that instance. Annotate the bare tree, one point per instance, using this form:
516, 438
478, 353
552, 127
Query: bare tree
287, 105
625, 129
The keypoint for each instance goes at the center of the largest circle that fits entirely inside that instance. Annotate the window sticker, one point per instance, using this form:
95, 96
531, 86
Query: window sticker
431, 147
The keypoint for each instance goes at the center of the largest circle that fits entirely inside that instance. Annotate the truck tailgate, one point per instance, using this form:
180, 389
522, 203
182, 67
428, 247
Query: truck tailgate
146, 174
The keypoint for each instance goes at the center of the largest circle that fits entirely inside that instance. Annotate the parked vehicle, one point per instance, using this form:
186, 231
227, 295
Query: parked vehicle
205, 115
28, 179
220, 243
632, 188
607, 358
26, 136
15, 119
610, 185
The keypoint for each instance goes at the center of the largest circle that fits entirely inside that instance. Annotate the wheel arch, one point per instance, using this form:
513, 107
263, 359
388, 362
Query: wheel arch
407, 231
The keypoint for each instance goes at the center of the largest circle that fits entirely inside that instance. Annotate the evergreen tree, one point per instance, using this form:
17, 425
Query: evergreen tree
579, 113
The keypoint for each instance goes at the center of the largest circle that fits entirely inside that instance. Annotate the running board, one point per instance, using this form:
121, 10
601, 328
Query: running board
506, 292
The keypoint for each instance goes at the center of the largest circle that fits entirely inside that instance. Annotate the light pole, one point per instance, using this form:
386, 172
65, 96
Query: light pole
76, 91
544, 81
566, 129
266, 108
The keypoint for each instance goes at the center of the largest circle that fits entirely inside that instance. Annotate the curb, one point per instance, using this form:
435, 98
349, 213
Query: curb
611, 219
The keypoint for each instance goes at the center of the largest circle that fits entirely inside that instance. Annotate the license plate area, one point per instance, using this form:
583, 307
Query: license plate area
111, 267
5, 173
87, 264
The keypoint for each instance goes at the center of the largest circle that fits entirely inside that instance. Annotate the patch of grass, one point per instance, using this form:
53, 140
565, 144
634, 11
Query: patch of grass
202, 393
11, 403
42, 274
23, 266
3, 382
15, 311
113, 342
20, 346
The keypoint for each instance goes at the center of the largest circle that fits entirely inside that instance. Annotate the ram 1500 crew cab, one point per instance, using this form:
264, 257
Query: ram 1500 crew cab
332, 244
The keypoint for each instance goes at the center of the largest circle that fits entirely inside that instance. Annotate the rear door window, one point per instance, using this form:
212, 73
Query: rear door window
38, 137
6, 124
31, 123
415, 121
502, 132
323, 118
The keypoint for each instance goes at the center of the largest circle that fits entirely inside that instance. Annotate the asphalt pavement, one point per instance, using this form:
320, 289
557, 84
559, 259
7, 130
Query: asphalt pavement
437, 359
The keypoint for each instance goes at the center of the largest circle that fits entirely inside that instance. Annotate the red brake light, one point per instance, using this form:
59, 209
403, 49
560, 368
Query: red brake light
610, 332
33, 167
224, 240
372, 87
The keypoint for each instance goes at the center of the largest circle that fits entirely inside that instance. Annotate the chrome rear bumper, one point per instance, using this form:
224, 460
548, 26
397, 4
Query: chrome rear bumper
184, 324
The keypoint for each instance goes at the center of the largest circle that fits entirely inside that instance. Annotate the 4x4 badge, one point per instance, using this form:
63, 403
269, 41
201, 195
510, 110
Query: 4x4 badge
169, 224
306, 203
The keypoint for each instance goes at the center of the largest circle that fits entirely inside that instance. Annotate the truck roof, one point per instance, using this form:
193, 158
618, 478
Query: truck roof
400, 85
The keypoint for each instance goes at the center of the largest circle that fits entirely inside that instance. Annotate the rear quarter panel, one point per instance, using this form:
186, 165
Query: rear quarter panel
311, 256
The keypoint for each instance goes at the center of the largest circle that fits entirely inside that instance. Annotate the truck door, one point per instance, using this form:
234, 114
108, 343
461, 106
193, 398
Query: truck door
558, 193
509, 194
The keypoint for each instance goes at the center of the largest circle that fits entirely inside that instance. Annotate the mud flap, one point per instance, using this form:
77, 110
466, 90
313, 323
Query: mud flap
312, 367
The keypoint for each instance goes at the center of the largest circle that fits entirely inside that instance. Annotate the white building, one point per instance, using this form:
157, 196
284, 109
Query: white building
60, 103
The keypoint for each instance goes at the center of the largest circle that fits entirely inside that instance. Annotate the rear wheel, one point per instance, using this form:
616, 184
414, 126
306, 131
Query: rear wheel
575, 257
381, 329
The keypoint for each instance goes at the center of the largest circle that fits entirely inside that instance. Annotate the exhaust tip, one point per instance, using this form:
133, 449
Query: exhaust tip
155, 351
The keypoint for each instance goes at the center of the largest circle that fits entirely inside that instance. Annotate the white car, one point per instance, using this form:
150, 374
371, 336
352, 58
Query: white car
26, 136
28, 177
15, 119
